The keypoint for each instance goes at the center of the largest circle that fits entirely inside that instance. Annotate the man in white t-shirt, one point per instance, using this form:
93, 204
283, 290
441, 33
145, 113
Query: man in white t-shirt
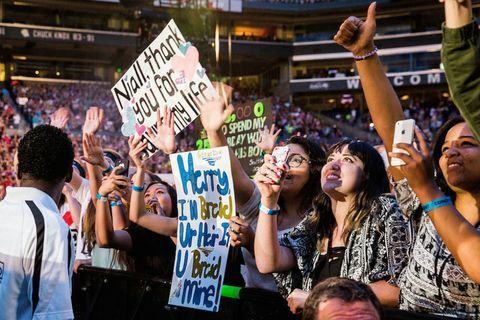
36, 247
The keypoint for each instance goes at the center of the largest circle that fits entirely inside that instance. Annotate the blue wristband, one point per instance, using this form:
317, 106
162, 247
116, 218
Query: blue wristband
137, 188
437, 203
116, 203
101, 198
270, 212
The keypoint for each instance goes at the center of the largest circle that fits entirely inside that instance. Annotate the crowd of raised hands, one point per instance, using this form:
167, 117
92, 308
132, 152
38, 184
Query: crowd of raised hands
410, 232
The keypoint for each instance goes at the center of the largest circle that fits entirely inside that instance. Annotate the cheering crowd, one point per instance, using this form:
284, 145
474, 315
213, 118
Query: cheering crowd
333, 230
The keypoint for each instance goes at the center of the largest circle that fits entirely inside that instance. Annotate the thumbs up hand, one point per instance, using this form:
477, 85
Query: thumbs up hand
356, 35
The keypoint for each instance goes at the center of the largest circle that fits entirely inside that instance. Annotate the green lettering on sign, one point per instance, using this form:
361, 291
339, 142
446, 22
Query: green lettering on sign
259, 109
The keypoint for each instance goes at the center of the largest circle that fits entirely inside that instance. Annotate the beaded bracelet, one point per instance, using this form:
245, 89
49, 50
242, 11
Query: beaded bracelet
368, 55
437, 203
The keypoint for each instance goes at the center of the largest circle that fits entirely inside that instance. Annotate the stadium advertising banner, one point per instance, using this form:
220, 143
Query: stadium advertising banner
43, 33
167, 73
403, 79
241, 131
206, 202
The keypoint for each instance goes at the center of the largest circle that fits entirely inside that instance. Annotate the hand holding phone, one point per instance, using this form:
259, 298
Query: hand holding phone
124, 165
281, 155
404, 133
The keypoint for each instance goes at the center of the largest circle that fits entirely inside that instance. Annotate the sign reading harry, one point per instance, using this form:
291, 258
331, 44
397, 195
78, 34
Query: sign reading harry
167, 72
205, 204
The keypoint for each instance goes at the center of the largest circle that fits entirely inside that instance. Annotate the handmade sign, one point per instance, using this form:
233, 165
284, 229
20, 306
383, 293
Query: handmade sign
168, 73
206, 202
241, 130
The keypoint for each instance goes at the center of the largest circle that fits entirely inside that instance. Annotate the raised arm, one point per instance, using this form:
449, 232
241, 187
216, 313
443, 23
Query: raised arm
213, 116
461, 60
106, 236
155, 222
164, 140
448, 221
270, 256
357, 36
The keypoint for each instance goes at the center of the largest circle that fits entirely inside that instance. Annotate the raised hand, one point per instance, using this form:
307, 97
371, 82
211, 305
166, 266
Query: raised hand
165, 137
267, 139
92, 151
356, 35
60, 118
93, 120
215, 112
136, 147
269, 179
113, 182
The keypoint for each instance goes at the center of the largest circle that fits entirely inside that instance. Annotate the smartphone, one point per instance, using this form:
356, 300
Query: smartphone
281, 155
124, 166
404, 133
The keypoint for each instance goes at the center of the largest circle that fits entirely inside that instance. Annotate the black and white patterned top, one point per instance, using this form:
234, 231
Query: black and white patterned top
433, 281
378, 250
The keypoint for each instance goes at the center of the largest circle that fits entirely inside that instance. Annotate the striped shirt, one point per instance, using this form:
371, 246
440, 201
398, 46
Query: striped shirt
36, 257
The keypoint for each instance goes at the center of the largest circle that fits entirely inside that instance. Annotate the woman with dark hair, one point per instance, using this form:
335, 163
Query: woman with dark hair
301, 186
435, 279
356, 231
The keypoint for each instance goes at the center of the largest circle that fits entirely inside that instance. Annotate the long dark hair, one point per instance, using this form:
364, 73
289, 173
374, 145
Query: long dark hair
171, 192
437, 154
374, 182
317, 159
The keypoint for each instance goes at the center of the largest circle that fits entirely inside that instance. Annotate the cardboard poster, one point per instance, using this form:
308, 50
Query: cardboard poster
167, 73
241, 130
206, 202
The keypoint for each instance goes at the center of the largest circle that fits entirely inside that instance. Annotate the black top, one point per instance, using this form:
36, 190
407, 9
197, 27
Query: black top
329, 264
153, 253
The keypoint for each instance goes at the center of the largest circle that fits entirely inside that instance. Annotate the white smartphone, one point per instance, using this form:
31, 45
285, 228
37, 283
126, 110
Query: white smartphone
404, 133
281, 155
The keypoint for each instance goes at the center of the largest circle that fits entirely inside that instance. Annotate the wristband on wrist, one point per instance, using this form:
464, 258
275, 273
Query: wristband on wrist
268, 211
437, 203
137, 188
108, 170
115, 203
366, 56
101, 198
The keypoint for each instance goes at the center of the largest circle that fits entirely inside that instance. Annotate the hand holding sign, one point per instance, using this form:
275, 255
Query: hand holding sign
165, 137
241, 234
216, 111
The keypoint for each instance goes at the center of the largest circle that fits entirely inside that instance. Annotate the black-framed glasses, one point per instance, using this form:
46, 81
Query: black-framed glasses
296, 160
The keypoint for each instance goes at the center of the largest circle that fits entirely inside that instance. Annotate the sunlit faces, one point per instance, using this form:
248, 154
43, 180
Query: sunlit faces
158, 198
342, 173
337, 309
296, 178
460, 160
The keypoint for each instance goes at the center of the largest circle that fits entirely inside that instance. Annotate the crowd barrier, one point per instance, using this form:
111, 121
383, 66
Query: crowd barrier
107, 294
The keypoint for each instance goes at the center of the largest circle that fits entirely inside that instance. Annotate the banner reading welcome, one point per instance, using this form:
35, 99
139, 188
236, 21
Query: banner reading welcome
205, 204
